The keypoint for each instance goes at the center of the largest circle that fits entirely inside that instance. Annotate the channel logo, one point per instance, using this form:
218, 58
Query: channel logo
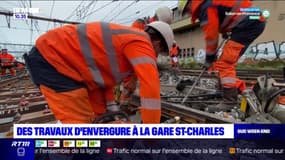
53, 143
266, 13
81, 143
94, 143
41, 143
68, 143
21, 152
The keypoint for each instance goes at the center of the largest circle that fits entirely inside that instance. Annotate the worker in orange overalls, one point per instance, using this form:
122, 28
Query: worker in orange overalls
174, 55
20, 66
77, 66
129, 84
174, 59
213, 18
161, 14
7, 62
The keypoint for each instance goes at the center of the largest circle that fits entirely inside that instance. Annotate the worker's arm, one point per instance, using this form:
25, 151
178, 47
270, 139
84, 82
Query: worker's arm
210, 24
109, 96
142, 57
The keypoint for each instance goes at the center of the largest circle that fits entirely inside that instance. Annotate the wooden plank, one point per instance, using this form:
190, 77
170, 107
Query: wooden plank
4, 95
37, 117
32, 107
17, 100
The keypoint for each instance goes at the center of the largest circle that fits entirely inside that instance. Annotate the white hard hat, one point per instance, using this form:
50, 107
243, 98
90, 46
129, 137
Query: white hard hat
164, 14
165, 31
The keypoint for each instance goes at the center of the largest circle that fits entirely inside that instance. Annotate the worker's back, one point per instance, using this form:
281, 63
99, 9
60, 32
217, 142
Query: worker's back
73, 48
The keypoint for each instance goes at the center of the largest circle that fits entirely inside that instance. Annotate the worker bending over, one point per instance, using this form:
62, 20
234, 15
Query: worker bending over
214, 20
129, 84
161, 14
77, 66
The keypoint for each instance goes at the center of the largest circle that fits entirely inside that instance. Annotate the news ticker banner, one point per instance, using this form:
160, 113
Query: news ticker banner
39, 149
124, 131
149, 131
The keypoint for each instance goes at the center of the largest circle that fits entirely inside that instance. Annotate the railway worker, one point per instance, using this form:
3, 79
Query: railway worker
174, 60
20, 66
213, 18
174, 55
7, 62
77, 66
161, 14
130, 83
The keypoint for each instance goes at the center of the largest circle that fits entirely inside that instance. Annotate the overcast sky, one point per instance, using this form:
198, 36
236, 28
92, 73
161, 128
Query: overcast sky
124, 12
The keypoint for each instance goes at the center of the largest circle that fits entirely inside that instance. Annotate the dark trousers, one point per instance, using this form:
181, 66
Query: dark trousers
44, 73
246, 32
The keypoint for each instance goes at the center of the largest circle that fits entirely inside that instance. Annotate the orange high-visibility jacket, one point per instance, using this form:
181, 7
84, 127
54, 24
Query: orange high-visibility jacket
102, 55
139, 23
213, 20
174, 51
20, 66
7, 59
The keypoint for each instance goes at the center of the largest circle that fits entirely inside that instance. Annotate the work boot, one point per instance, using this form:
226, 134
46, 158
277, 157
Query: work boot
228, 103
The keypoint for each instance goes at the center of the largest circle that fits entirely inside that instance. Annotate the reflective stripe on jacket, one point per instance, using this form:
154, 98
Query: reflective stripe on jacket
7, 59
102, 55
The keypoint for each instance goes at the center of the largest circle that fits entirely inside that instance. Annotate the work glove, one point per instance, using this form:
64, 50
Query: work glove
209, 61
131, 84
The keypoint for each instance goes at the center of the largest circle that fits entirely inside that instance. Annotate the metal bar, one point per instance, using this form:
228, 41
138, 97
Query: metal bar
41, 18
192, 87
204, 70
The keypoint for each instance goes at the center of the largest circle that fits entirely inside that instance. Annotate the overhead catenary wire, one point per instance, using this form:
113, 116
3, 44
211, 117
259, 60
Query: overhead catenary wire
133, 16
110, 13
141, 13
74, 11
23, 5
41, 18
89, 9
16, 44
51, 11
147, 8
83, 10
32, 25
94, 5
97, 9
124, 9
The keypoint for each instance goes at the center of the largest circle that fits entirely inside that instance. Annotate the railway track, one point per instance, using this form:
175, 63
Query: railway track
13, 89
190, 115
186, 114
278, 75
13, 92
